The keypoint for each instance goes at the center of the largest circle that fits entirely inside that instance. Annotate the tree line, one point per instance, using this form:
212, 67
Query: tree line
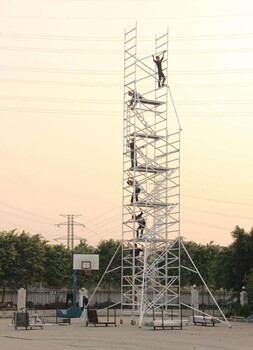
27, 259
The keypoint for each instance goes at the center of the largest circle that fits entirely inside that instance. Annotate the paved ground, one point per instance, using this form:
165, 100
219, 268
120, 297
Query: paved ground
126, 337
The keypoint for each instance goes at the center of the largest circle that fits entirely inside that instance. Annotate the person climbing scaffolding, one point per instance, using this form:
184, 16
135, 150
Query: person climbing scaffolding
137, 251
131, 145
142, 224
158, 62
136, 188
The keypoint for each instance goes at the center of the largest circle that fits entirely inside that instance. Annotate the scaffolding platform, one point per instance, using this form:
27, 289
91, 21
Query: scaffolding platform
150, 204
151, 102
148, 169
145, 102
149, 136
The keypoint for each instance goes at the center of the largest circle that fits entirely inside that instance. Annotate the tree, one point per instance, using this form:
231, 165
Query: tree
57, 266
249, 285
234, 262
21, 259
222, 269
106, 250
84, 248
7, 260
203, 257
211, 254
242, 253
29, 264
25, 259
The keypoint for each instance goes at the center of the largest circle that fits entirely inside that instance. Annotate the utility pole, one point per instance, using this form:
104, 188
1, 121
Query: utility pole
70, 223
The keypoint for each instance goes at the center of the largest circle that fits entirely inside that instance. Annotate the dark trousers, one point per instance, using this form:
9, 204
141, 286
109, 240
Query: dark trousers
162, 77
139, 229
135, 195
133, 159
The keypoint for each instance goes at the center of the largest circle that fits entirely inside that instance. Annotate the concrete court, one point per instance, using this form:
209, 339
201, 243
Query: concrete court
126, 337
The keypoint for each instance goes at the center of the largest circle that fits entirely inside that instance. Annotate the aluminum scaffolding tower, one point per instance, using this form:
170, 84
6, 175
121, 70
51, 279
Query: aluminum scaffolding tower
151, 187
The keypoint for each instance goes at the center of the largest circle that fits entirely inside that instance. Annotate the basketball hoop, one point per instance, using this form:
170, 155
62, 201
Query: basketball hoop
86, 263
87, 272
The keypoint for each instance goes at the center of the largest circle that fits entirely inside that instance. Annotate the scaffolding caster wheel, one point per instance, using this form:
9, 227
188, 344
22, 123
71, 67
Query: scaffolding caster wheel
133, 323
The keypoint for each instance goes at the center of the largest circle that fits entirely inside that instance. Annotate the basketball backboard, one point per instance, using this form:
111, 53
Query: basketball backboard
85, 261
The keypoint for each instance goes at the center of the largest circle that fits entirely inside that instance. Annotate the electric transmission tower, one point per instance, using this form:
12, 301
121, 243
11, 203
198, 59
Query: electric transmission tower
70, 223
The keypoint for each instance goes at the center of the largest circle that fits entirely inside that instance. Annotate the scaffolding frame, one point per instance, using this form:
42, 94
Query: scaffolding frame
150, 278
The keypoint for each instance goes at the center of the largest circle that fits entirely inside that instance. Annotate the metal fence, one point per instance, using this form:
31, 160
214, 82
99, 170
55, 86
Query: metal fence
50, 297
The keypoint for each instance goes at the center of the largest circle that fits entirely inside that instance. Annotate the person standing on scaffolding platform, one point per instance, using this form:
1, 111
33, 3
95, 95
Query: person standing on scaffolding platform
131, 145
136, 188
158, 62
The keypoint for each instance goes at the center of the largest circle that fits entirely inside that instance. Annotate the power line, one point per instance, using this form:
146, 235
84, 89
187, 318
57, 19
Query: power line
60, 70
60, 37
61, 100
217, 213
113, 85
210, 71
212, 37
115, 113
119, 39
218, 200
118, 73
205, 225
213, 102
64, 83
82, 101
59, 111
24, 211
88, 17
54, 50
114, 52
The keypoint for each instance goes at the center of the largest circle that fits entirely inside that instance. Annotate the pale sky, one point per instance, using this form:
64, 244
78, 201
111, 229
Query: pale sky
61, 112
